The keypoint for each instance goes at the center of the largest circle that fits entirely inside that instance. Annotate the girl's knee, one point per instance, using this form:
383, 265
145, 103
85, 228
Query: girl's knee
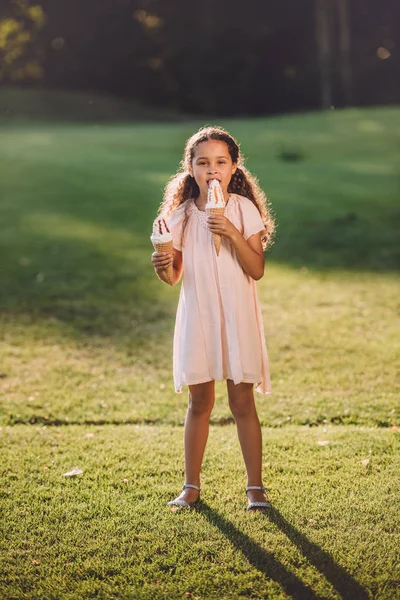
201, 399
241, 408
241, 400
200, 405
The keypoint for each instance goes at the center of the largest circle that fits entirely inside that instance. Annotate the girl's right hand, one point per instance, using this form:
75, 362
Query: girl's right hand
162, 260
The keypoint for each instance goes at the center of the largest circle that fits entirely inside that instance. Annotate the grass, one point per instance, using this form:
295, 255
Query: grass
19, 105
107, 534
85, 373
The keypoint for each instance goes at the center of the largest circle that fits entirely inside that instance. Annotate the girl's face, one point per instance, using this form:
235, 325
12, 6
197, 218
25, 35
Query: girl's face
212, 160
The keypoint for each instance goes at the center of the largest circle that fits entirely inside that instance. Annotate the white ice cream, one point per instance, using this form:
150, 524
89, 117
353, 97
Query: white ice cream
161, 234
215, 196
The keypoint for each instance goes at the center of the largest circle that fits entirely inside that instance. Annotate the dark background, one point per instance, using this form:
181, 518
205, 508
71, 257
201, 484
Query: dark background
225, 58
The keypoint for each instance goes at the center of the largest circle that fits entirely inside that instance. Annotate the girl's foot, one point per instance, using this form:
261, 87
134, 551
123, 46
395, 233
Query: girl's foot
188, 498
257, 498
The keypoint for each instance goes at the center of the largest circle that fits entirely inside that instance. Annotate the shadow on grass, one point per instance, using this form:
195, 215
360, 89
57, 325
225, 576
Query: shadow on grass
362, 239
55, 422
266, 563
84, 287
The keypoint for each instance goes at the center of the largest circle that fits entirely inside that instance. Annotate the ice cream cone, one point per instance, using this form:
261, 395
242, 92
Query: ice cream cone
167, 247
215, 206
161, 238
216, 238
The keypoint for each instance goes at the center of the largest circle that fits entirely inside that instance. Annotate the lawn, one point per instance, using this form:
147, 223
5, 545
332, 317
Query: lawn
85, 373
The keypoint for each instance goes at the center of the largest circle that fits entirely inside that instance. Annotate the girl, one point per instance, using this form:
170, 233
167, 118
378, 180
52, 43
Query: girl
218, 331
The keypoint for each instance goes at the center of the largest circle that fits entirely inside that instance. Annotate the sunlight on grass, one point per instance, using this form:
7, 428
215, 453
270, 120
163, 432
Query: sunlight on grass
67, 227
370, 168
323, 342
160, 178
369, 126
38, 139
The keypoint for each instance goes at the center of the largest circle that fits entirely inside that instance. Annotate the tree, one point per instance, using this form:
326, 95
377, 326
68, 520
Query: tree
324, 43
21, 54
332, 30
344, 51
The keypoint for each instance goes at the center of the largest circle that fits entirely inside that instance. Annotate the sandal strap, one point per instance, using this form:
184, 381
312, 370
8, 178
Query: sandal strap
261, 488
190, 485
258, 505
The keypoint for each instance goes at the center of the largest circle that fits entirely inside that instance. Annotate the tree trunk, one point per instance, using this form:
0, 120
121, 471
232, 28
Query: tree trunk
324, 51
344, 49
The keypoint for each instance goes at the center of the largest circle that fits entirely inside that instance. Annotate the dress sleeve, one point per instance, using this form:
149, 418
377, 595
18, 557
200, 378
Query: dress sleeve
175, 225
252, 221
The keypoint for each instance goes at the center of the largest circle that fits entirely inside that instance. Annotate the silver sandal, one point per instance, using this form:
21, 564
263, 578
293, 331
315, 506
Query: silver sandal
183, 503
258, 505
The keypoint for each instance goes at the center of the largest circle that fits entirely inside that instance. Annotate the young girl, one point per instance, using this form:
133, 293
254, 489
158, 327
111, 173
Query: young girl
218, 331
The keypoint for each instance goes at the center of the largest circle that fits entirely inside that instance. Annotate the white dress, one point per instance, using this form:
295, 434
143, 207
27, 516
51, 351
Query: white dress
219, 332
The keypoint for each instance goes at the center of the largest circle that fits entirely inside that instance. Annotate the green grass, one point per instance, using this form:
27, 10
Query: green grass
107, 533
86, 332
43, 106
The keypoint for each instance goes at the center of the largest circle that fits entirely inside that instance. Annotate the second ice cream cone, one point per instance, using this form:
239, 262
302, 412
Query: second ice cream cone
167, 247
161, 238
216, 238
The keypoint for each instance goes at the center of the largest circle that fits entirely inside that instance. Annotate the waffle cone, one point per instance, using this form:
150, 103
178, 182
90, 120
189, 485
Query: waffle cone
167, 247
216, 238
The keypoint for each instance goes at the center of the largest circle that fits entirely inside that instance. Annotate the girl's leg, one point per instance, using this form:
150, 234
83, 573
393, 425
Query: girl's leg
241, 402
201, 402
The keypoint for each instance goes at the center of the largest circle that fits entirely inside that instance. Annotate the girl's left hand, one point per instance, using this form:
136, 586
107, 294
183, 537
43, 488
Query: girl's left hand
221, 225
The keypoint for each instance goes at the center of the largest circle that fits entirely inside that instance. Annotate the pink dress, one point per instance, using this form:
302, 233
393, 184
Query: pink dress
219, 332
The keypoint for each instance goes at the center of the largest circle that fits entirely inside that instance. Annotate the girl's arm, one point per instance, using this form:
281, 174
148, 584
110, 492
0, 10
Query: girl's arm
250, 253
161, 260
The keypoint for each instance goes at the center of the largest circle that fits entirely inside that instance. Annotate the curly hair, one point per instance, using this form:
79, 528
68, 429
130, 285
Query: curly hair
182, 186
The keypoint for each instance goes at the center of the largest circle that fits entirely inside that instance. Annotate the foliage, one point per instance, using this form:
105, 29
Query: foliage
21, 51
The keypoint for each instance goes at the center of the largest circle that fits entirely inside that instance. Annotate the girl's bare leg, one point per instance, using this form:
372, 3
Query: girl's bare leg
241, 402
201, 402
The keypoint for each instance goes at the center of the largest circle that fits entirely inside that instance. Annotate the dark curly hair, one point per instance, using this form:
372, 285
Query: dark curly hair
182, 186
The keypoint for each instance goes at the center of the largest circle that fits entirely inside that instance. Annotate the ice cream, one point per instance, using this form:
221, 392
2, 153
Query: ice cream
161, 238
215, 206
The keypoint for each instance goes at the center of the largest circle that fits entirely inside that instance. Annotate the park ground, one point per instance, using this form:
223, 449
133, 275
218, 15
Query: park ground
85, 373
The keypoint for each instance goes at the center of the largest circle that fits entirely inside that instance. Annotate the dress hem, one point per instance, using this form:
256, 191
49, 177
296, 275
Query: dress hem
178, 388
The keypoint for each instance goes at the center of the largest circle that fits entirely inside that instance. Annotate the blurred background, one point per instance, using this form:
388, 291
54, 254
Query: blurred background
209, 58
